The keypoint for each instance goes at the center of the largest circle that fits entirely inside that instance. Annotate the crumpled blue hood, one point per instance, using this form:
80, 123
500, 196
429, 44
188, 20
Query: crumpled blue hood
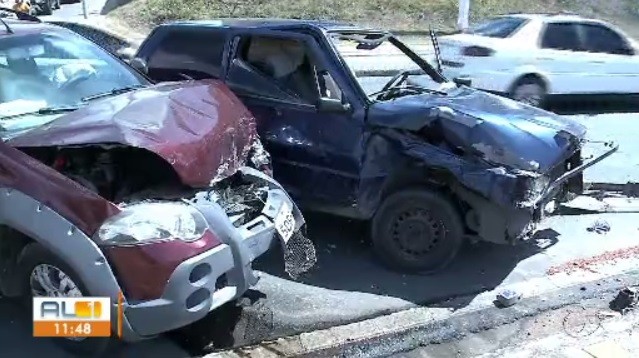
497, 129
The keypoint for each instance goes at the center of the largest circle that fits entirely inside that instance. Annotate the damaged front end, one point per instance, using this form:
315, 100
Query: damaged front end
196, 203
262, 212
502, 160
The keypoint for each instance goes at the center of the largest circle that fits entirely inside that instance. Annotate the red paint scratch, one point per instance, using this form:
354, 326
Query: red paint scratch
587, 264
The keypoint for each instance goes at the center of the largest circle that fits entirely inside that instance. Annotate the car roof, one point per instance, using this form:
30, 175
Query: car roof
554, 17
270, 23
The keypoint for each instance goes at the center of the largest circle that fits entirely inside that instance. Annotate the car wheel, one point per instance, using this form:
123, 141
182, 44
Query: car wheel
46, 8
45, 275
529, 90
417, 231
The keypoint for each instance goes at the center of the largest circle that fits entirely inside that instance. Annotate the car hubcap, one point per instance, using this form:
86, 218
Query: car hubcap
416, 233
530, 94
49, 281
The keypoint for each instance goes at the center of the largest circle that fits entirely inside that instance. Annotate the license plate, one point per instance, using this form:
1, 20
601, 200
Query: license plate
285, 222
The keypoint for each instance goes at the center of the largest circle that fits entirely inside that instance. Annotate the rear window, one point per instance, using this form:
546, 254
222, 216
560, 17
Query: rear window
196, 52
500, 27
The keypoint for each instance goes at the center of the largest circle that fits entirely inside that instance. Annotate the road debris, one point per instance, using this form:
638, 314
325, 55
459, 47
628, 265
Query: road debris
508, 298
587, 264
599, 227
626, 300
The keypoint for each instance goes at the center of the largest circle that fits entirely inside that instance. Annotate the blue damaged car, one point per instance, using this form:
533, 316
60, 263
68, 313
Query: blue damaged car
361, 126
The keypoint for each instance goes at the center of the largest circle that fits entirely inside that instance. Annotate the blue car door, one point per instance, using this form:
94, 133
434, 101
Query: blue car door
307, 120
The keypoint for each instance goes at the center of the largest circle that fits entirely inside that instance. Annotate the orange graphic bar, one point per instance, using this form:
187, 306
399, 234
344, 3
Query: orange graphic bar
72, 329
88, 309
120, 313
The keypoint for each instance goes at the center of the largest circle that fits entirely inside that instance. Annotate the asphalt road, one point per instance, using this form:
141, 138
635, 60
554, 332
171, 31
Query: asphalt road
74, 9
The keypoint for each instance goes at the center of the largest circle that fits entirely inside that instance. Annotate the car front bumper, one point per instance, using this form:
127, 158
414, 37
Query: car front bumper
506, 224
219, 275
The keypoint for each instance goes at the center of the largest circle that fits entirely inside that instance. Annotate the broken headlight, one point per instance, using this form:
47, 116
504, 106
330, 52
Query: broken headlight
152, 222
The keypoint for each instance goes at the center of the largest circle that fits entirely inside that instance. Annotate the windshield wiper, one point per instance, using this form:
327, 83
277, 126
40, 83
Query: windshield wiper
416, 89
43, 112
112, 92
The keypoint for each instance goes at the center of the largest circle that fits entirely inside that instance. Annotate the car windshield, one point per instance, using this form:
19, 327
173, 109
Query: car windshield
375, 59
44, 72
499, 27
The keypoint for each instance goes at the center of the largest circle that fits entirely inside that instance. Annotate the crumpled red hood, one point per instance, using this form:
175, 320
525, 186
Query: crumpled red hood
199, 127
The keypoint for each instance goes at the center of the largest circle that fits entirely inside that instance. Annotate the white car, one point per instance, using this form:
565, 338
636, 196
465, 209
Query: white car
532, 57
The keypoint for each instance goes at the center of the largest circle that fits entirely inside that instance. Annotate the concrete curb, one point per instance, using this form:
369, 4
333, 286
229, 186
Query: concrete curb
404, 330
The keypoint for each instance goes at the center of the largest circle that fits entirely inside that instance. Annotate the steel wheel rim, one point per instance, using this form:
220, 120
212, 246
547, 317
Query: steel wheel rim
50, 281
416, 233
529, 93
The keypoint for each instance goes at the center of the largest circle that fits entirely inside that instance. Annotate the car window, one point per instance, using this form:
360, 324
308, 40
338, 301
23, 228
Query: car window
599, 38
196, 53
285, 62
500, 27
561, 36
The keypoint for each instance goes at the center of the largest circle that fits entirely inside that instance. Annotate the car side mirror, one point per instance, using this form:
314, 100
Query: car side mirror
333, 105
140, 65
463, 81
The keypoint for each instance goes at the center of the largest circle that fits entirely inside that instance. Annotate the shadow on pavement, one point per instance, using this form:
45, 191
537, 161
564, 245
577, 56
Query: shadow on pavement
346, 262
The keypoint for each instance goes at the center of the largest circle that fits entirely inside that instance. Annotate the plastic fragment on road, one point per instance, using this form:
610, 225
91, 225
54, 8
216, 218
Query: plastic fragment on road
599, 227
508, 298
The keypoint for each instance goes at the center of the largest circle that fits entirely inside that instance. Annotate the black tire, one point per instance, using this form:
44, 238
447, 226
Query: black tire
46, 8
534, 84
35, 254
425, 220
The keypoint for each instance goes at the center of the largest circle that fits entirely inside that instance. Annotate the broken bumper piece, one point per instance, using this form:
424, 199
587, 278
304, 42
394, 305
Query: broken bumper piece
221, 274
552, 189
506, 207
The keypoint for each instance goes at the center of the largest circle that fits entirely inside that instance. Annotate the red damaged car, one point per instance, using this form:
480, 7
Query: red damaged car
162, 192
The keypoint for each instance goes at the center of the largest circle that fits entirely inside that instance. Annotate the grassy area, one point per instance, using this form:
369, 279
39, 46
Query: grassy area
391, 14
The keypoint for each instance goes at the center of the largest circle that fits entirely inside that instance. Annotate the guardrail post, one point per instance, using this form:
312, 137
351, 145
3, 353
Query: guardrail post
464, 12
84, 8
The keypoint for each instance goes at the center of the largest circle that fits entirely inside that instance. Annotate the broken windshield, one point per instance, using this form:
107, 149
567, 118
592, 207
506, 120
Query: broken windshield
52, 70
377, 60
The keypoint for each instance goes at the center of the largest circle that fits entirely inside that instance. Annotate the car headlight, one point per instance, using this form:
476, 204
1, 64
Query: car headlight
152, 222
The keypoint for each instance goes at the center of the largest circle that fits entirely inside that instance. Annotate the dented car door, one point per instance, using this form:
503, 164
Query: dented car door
308, 128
